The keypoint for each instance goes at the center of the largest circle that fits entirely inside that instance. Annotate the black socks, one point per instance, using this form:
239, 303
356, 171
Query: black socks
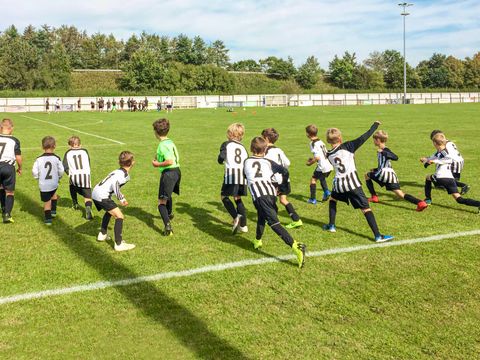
428, 189
332, 212
9, 200
162, 209
117, 229
230, 207
105, 221
291, 211
242, 211
283, 233
372, 223
411, 199
370, 187
469, 202
313, 191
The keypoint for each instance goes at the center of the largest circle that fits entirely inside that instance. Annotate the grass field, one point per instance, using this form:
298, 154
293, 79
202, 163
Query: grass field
413, 301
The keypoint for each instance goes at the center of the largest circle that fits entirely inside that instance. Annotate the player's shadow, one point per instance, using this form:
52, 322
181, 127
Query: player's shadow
219, 230
250, 214
320, 224
64, 202
395, 202
145, 217
190, 330
412, 184
299, 197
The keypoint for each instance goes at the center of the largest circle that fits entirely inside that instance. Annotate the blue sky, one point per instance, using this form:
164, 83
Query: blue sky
259, 28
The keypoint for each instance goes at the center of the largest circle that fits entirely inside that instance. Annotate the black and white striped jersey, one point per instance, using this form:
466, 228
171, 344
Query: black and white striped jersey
77, 165
342, 157
48, 169
457, 158
111, 185
319, 151
278, 156
260, 176
443, 162
9, 149
233, 155
384, 171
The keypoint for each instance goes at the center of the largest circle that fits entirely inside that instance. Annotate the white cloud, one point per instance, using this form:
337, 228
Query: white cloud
256, 29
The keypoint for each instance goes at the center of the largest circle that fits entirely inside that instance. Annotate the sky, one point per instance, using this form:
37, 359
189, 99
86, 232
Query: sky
255, 29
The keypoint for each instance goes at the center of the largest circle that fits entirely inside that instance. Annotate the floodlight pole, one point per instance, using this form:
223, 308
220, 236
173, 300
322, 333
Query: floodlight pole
404, 14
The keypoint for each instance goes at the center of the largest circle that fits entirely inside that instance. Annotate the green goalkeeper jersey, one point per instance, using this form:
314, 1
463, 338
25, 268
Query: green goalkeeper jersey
167, 150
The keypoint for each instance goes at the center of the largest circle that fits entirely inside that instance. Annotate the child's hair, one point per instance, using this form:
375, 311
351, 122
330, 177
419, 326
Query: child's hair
435, 132
333, 135
74, 141
311, 130
6, 123
271, 135
381, 136
439, 139
161, 127
125, 159
258, 145
48, 143
236, 131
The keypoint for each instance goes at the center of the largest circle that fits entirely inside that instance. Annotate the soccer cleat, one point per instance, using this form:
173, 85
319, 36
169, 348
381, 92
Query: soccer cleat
373, 199
299, 250
168, 230
236, 224
7, 218
294, 224
428, 201
422, 205
54, 214
103, 237
171, 216
326, 195
465, 189
48, 222
243, 229
312, 201
123, 246
257, 244
88, 213
75, 206
330, 228
383, 238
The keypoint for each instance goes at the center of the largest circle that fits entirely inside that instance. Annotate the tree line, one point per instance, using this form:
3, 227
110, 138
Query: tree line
43, 58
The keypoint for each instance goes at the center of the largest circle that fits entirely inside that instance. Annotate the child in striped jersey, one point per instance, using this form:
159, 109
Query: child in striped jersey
277, 155
443, 176
76, 162
384, 175
48, 170
259, 172
346, 183
457, 161
233, 154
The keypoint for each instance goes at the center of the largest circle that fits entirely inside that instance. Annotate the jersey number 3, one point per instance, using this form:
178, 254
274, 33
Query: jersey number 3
341, 167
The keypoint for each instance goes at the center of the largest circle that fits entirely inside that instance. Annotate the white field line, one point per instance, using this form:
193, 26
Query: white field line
76, 130
220, 267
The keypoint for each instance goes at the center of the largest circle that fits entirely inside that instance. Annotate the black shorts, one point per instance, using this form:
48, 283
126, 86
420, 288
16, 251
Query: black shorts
456, 176
320, 175
267, 209
169, 106
284, 189
233, 190
388, 186
355, 197
7, 177
47, 195
446, 183
105, 204
85, 192
169, 182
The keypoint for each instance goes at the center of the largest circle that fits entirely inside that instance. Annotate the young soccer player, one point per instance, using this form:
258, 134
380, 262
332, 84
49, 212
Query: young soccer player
259, 173
346, 184
323, 169
384, 175
102, 198
48, 170
76, 162
10, 155
457, 161
277, 155
168, 162
443, 176
233, 155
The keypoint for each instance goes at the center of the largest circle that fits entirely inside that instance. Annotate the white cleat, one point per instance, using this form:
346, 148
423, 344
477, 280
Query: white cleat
243, 229
102, 237
236, 224
124, 246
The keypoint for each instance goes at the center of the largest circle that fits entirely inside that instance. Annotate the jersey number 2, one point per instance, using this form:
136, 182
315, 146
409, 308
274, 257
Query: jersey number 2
258, 173
48, 165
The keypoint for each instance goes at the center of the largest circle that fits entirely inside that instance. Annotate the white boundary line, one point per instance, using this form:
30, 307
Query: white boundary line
69, 128
220, 267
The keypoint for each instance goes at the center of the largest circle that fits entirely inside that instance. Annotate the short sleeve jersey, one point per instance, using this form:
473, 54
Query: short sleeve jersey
48, 169
260, 176
233, 154
319, 150
111, 185
77, 165
9, 149
167, 150
277, 155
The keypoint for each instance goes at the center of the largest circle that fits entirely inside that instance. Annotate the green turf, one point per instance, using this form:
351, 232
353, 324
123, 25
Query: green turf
410, 302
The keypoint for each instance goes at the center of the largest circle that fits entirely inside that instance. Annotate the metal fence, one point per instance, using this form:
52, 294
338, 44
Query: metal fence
214, 101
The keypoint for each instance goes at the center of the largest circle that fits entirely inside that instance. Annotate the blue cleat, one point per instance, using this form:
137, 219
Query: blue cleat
383, 238
312, 201
326, 195
428, 201
330, 228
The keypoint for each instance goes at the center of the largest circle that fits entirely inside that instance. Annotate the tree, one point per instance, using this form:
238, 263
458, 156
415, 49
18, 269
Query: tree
393, 76
309, 73
278, 68
199, 51
246, 65
365, 78
456, 72
217, 54
341, 70
472, 71
183, 49
434, 72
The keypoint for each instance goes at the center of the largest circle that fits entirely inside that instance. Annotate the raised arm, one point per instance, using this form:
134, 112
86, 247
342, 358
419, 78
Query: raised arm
353, 145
